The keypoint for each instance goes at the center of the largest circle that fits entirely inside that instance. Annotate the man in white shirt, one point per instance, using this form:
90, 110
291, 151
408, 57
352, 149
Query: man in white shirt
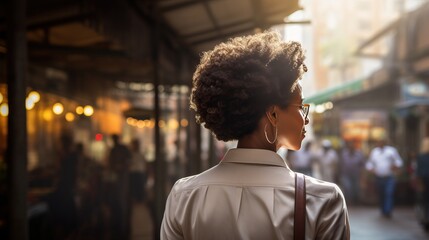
383, 162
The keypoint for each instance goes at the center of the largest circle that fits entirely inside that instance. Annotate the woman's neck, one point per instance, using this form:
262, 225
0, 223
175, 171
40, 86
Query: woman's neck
255, 141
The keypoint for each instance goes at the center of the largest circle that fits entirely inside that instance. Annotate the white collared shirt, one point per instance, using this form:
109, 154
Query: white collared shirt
250, 195
382, 160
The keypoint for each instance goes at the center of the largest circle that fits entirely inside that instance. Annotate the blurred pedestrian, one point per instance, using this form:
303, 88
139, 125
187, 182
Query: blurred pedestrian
119, 161
61, 202
247, 89
327, 158
302, 160
423, 175
384, 162
138, 173
352, 161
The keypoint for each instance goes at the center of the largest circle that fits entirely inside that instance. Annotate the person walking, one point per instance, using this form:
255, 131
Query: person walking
352, 161
328, 160
384, 162
247, 89
62, 204
138, 174
119, 161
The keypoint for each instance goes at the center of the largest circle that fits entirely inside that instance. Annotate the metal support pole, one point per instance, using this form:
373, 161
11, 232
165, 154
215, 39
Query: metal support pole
17, 120
160, 176
177, 166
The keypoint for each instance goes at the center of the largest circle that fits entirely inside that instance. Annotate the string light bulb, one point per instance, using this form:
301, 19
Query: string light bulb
4, 109
88, 110
58, 108
34, 96
79, 110
70, 117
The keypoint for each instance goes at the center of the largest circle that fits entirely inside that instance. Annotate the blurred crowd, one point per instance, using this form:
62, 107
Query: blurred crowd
366, 178
86, 199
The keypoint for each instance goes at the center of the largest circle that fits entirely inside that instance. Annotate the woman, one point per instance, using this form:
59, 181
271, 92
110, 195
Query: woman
247, 89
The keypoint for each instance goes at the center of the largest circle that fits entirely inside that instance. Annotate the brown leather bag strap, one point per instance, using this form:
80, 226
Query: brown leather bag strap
300, 200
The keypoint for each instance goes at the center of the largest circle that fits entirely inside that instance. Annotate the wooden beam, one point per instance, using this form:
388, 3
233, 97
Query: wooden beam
223, 36
181, 5
16, 156
60, 21
224, 27
88, 51
212, 17
262, 24
166, 32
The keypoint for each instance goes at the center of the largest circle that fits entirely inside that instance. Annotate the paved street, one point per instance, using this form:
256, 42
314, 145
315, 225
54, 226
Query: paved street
367, 224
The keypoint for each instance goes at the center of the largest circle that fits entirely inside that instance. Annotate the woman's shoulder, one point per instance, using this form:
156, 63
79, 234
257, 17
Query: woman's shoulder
191, 182
322, 189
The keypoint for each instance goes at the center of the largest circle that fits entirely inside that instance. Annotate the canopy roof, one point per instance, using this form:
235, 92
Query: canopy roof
116, 39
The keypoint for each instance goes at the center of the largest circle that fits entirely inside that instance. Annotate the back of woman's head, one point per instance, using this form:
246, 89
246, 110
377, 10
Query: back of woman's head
237, 81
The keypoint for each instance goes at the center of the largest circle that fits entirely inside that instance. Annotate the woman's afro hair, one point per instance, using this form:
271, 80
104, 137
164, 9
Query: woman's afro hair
237, 81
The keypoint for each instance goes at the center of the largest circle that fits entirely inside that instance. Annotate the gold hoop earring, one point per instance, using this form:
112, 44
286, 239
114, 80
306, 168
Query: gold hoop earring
266, 135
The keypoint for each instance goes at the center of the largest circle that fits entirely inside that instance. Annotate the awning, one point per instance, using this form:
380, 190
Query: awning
346, 89
410, 107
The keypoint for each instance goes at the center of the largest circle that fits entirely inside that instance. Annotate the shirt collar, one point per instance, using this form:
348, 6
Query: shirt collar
253, 156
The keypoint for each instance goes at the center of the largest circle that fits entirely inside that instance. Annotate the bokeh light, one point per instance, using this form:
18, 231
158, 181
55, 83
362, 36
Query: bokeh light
88, 110
47, 115
173, 124
34, 96
184, 122
58, 108
70, 117
4, 109
79, 110
29, 103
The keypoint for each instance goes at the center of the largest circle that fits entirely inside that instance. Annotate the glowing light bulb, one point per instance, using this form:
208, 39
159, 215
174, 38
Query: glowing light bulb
70, 117
88, 110
161, 123
47, 115
151, 123
129, 120
79, 110
1, 97
184, 122
34, 96
58, 108
173, 124
141, 124
29, 104
4, 109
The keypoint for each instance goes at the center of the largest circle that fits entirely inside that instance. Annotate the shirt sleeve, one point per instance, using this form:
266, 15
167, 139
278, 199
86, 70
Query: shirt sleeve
170, 229
334, 222
397, 159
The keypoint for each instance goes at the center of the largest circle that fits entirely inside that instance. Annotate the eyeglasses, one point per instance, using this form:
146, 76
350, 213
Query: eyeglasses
305, 108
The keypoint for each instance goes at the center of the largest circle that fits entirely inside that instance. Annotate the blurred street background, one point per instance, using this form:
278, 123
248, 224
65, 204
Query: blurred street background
95, 125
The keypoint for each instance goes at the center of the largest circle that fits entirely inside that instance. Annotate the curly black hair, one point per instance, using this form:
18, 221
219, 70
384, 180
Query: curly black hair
237, 81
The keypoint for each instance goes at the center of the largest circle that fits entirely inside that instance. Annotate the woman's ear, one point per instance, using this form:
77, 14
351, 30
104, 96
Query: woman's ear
272, 115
